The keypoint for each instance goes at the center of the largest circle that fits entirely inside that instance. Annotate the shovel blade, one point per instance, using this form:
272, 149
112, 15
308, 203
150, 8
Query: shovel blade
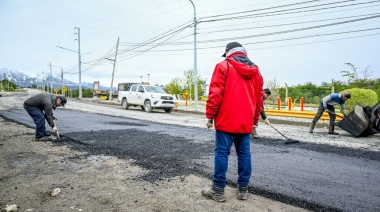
291, 142
57, 134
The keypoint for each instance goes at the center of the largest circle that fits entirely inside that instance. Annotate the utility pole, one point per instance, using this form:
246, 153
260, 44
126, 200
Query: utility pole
141, 78
51, 83
195, 61
286, 92
43, 83
148, 77
62, 81
1, 83
113, 71
80, 80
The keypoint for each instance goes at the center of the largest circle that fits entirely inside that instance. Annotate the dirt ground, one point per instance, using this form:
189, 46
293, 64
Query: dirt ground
30, 171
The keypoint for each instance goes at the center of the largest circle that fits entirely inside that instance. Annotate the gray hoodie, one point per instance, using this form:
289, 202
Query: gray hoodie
46, 102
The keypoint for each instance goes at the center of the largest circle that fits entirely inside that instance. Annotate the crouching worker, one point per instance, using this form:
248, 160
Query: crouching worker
40, 107
328, 104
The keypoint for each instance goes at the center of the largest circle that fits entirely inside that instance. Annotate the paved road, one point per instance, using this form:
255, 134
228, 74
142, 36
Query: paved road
313, 175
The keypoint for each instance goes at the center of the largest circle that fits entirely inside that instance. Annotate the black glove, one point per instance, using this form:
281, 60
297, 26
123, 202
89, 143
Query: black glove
210, 123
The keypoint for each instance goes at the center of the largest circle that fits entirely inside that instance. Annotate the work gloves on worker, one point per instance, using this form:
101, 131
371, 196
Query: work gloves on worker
55, 129
210, 123
267, 121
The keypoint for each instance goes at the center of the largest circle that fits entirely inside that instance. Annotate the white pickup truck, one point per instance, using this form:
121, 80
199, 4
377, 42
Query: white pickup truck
147, 96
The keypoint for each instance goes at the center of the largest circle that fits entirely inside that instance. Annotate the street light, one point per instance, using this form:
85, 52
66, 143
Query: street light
148, 77
195, 61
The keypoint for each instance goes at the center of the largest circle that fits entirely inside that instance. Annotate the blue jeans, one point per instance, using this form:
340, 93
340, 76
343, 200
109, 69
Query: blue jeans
38, 118
223, 143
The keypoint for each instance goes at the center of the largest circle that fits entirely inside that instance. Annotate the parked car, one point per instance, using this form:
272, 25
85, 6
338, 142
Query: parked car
148, 97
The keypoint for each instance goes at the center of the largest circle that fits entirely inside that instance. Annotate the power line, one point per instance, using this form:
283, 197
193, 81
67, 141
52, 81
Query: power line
287, 24
257, 27
271, 41
286, 31
274, 13
289, 45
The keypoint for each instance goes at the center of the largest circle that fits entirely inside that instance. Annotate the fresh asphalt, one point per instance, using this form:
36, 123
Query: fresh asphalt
317, 177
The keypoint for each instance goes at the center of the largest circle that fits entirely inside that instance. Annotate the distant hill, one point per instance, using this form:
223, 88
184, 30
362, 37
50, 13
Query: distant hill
23, 80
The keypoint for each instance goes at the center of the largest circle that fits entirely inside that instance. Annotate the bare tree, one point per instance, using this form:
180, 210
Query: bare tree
353, 75
274, 87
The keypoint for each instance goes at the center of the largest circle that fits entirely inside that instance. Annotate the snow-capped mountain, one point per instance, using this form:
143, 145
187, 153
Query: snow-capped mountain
23, 80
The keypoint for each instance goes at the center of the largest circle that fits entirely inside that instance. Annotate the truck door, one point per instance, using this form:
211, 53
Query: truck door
132, 95
140, 95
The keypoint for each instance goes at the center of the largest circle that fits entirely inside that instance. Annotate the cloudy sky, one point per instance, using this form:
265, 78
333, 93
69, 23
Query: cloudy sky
293, 42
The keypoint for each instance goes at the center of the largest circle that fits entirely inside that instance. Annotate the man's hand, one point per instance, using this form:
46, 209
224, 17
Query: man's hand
210, 123
267, 121
55, 129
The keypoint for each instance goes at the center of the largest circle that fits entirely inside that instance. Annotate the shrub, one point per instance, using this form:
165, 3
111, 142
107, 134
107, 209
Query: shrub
360, 96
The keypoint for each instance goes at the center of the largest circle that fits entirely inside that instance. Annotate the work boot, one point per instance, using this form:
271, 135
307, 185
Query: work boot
242, 192
331, 130
312, 127
47, 134
214, 193
254, 133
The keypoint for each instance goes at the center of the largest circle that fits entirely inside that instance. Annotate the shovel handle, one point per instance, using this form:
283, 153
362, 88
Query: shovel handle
329, 111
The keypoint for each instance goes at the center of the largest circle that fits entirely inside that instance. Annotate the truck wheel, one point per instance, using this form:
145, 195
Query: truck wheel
142, 108
148, 106
168, 110
124, 104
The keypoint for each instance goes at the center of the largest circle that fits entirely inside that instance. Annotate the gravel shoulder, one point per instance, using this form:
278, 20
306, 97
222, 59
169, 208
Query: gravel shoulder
30, 171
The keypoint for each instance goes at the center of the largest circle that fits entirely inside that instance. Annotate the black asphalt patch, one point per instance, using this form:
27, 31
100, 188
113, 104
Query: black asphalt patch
317, 177
324, 148
125, 123
164, 155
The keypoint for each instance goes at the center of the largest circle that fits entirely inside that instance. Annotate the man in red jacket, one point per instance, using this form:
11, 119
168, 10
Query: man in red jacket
235, 101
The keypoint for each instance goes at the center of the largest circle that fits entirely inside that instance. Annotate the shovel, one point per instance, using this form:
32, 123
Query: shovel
56, 132
329, 111
290, 141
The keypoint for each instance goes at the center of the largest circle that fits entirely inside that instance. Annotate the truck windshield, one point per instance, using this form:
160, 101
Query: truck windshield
154, 89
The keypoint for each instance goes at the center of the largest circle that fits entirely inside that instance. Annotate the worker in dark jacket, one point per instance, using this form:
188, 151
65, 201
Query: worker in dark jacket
266, 94
40, 107
328, 103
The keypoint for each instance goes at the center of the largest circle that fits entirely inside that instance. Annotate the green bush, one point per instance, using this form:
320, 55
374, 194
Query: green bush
360, 96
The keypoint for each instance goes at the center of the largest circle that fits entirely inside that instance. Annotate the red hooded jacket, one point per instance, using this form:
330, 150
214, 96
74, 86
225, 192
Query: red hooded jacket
235, 95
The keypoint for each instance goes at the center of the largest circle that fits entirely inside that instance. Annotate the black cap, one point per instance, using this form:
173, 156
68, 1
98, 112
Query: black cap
231, 46
347, 95
63, 100
267, 91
